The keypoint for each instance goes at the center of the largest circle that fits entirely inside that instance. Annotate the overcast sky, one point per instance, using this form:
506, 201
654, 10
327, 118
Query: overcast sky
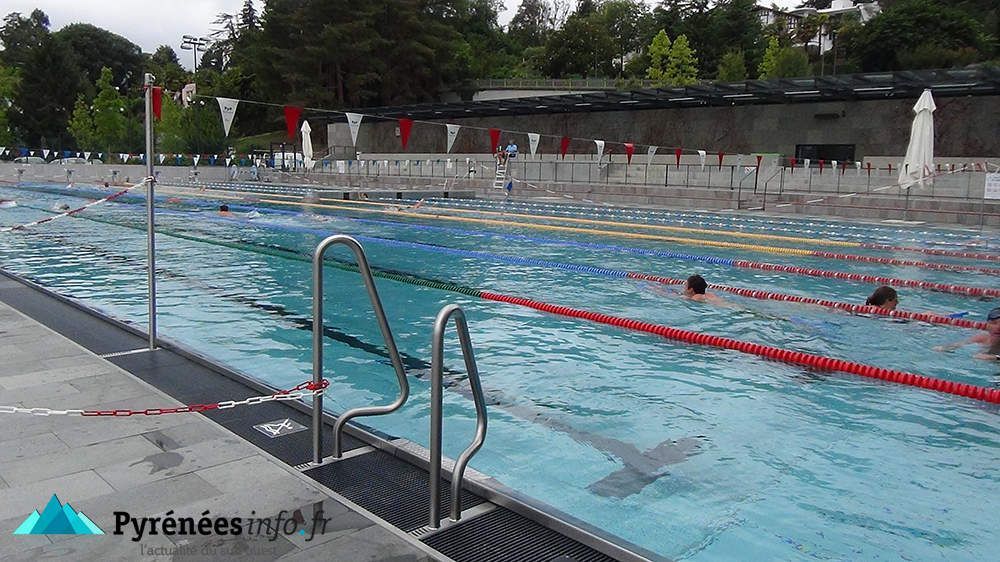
150, 23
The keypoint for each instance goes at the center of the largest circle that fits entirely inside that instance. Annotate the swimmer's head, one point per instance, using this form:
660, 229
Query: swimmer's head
223, 208
993, 321
884, 297
696, 285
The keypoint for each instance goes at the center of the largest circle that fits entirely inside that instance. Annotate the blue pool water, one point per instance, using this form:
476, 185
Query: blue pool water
691, 452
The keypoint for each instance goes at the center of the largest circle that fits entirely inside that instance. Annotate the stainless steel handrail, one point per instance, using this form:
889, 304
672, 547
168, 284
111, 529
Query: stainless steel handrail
437, 372
383, 325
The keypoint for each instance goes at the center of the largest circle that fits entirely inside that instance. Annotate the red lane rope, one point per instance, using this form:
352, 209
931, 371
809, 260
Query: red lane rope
931, 251
912, 263
877, 279
982, 393
849, 307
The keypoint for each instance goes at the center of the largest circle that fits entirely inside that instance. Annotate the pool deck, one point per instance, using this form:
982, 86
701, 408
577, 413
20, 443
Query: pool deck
147, 465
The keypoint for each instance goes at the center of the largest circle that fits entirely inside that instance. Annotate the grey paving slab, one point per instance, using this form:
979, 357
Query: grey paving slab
92, 456
98, 548
31, 447
21, 500
167, 464
179, 436
58, 375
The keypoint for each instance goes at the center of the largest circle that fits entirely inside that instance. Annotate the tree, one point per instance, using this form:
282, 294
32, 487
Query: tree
659, 55
109, 113
682, 66
766, 68
81, 125
945, 36
48, 90
94, 49
20, 35
164, 65
583, 47
732, 67
531, 24
791, 62
624, 20
9, 80
732, 25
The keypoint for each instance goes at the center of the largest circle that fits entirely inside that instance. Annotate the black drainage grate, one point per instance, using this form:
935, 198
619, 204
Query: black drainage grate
502, 535
388, 487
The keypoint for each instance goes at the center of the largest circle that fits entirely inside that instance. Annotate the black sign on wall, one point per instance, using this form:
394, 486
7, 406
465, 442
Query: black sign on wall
838, 152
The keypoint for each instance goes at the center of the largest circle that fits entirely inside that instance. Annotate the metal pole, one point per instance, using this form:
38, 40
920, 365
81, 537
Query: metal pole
150, 224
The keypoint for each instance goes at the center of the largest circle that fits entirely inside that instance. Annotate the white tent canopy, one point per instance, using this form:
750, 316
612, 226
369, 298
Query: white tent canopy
307, 145
918, 165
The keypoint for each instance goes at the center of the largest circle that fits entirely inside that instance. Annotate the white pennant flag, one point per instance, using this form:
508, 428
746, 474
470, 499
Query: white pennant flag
600, 147
650, 152
126, 158
858, 166
449, 165
805, 163
228, 160
196, 158
228, 108
354, 122
45, 153
100, 155
3, 149
834, 164
86, 155
79, 154
162, 158
452, 135
33, 152
533, 142
701, 159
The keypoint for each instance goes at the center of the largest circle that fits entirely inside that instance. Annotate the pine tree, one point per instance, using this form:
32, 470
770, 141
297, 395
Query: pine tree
732, 67
81, 125
659, 54
682, 66
248, 16
109, 116
8, 86
766, 68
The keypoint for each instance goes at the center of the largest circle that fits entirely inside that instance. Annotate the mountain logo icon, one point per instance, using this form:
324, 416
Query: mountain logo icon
58, 519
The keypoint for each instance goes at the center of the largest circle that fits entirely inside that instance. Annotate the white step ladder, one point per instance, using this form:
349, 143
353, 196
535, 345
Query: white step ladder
501, 178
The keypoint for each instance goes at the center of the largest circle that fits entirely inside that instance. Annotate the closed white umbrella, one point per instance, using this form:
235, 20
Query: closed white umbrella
307, 145
918, 166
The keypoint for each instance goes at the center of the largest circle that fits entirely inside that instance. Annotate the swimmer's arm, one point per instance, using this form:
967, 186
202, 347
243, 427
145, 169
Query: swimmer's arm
987, 357
956, 345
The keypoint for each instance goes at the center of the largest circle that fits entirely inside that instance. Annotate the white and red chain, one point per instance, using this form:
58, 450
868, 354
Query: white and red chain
115, 195
308, 388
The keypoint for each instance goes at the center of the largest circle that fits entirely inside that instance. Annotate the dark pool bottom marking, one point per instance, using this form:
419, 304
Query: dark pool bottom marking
641, 467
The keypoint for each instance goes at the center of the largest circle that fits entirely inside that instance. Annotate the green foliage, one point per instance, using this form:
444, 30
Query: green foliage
164, 65
583, 47
767, 65
659, 55
9, 80
682, 66
93, 49
623, 20
109, 114
732, 67
44, 101
791, 62
81, 124
531, 24
921, 32
20, 35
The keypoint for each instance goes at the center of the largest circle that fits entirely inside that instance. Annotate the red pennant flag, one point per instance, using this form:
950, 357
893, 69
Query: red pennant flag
721, 156
869, 168
890, 168
405, 125
821, 163
843, 167
758, 161
677, 155
494, 140
629, 150
952, 166
793, 162
564, 146
292, 114
158, 102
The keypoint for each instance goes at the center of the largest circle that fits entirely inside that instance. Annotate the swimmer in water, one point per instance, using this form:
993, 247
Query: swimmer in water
990, 341
398, 208
7, 203
224, 210
884, 297
695, 289
60, 207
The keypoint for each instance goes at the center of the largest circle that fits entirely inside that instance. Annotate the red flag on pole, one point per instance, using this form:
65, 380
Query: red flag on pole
494, 140
629, 150
869, 168
793, 161
158, 102
843, 167
758, 161
564, 146
404, 130
721, 156
821, 163
677, 155
292, 114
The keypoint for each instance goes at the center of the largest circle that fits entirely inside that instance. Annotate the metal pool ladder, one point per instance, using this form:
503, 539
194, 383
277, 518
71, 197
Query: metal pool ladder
383, 325
437, 373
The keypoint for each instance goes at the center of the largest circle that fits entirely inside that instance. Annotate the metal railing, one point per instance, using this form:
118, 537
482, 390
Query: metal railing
437, 373
561, 83
397, 364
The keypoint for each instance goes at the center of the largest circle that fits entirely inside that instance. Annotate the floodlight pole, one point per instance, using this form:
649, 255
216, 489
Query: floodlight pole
150, 225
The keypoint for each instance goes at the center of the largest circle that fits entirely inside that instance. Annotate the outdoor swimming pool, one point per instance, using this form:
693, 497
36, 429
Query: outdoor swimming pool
690, 451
